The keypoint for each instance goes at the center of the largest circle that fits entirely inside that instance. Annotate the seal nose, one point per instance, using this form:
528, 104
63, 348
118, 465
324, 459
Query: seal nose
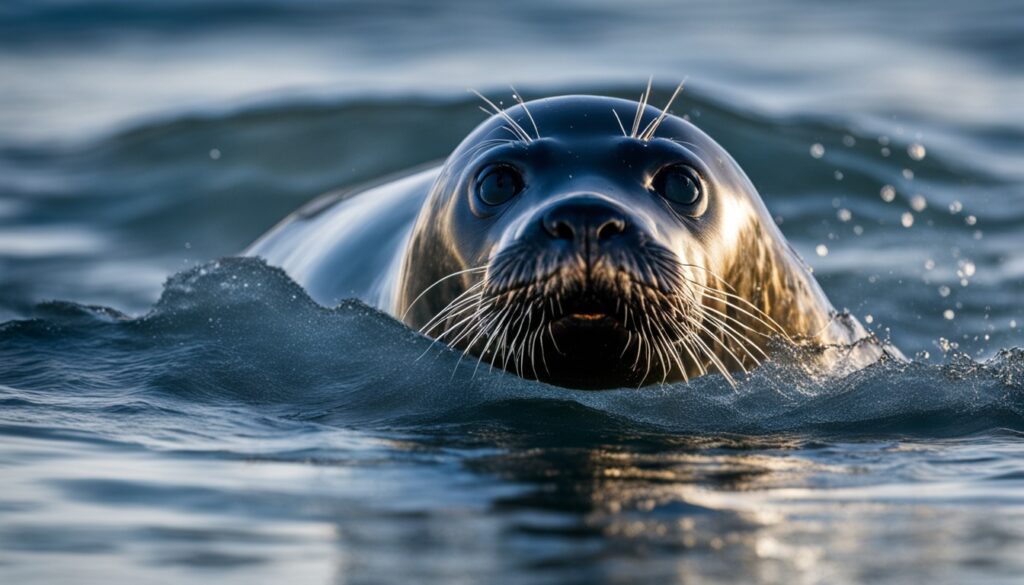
588, 219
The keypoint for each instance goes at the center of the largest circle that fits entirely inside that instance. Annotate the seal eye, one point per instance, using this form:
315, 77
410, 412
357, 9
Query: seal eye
679, 184
496, 184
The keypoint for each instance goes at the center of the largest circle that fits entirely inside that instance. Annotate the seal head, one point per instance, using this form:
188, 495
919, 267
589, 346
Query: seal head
596, 242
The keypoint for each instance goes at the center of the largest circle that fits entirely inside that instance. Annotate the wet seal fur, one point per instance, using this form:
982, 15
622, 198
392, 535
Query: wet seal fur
585, 241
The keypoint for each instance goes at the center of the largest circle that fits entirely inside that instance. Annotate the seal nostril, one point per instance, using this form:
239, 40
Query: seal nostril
562, 230
558, 226
611, 228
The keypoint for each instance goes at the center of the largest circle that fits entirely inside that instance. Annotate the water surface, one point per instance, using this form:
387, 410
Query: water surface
166, 415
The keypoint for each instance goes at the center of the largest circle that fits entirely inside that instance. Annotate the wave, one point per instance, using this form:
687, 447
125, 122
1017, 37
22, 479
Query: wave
238, 334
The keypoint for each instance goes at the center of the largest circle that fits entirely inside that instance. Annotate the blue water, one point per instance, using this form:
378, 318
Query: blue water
169, 414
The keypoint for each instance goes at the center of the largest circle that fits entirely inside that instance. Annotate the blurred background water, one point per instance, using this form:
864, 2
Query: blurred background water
235, 432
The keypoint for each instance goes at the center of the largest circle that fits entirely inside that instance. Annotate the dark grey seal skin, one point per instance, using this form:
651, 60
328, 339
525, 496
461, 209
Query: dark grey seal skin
584, 241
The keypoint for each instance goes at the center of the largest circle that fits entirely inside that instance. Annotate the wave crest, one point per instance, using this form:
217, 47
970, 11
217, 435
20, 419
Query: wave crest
239, 333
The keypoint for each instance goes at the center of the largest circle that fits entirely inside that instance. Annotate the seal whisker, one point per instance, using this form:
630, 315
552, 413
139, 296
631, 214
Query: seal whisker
500, 333
772, 325
648, 132
472, 328
683, 337
678, 361
741, 341
705, 329
465, 321
669, 352
501, 112
439, 281
520, 342
492, 334
475, 303
467, 326
519, 98
619, 120
645, 326
446, 314
710, 355
482, 329
543, 354
520, 137
554, 342
532, 345
680, 337
454, 308
721, 340
519, 347
724, 320
726, 298
644, 96
506, 346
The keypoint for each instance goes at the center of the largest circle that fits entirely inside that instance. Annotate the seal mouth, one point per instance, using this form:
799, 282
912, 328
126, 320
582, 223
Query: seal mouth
588, 321
588, 317
589, 311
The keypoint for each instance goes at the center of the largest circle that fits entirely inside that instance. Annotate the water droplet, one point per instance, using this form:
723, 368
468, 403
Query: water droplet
838, 175
844, 215
949, 314
821, 250
908, 174
883, 140
970, 220
918, 202
956, 207
869, 319
929, 264
907, 219
849, 140
215, 153
944, 291
969, 268
1013, 323
888, 193
817, 150
916, 151
885, 151
858, 230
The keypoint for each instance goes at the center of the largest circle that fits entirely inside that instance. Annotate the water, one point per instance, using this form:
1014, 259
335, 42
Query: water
222, 427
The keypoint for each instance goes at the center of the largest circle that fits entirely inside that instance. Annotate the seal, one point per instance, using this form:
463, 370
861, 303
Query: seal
565, 245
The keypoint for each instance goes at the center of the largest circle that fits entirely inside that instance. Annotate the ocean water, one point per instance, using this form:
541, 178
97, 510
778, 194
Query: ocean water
169, 413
